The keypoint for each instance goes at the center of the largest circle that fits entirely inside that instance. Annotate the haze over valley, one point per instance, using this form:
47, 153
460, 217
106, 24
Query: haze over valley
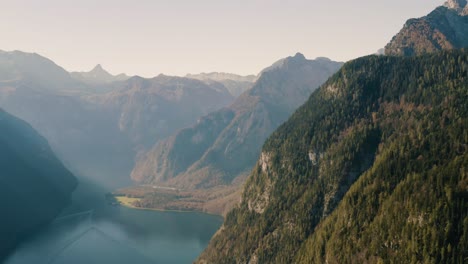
356, 155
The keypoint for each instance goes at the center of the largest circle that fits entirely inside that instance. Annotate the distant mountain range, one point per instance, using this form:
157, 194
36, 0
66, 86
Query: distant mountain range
235, 84
34, 185
91, 126
221, 148
222, 76
148, 110
30, 69
443, 29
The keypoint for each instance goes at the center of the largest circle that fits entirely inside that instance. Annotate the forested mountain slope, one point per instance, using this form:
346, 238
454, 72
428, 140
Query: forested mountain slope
371, 169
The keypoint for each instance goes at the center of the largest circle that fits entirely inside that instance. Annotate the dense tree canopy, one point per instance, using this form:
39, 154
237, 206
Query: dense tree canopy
372, 169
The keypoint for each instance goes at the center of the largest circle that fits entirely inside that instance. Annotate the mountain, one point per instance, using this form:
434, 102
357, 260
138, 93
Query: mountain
81, 133
34, 184
444, 28
98, 75
97, 130
235, 84
458, 5
371, 169
21, 68
148, 110
223, 146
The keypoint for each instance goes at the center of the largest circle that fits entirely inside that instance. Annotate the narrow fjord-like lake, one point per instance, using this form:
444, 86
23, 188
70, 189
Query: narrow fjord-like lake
117, 235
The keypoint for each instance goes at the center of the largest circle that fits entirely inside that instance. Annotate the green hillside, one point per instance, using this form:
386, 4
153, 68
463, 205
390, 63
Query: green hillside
372, 169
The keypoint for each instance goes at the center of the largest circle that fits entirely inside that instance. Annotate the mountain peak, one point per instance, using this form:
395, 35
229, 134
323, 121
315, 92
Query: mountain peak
299, 56
455, 4
99, 68
98, 75
442, 29
323, 59
458, 5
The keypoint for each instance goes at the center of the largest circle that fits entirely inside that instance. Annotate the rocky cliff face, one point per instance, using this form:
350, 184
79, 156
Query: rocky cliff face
444, 28
34, 185
224, 145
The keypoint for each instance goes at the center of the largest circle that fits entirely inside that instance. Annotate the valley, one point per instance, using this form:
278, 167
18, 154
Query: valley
358, 159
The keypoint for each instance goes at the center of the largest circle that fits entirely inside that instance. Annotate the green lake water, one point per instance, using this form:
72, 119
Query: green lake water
120, 235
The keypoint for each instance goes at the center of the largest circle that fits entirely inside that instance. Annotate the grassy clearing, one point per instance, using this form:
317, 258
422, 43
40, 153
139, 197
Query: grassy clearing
127, 201
216, 201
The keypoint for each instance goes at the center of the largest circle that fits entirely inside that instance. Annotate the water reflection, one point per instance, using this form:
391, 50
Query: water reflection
120, 235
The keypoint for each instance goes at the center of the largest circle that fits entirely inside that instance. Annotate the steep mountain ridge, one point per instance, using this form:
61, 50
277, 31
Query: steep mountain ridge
82, 134
21, 68
223, 146
444, 28
34, 185
148, 110
371, 169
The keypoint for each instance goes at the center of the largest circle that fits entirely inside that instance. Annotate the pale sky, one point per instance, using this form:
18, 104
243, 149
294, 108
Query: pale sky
175, 37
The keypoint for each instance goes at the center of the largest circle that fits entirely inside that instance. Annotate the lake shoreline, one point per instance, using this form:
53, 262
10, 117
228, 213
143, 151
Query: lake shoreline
217, 201
114, 234
166, 210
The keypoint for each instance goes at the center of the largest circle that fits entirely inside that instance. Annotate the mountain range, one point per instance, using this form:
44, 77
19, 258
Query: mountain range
30, 69
372, 168
93, 126
236, 84
98, 75
148, 110
311, 161
223, 144
221, 148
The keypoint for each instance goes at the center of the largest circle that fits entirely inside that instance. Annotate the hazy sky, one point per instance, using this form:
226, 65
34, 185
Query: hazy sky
148, 37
